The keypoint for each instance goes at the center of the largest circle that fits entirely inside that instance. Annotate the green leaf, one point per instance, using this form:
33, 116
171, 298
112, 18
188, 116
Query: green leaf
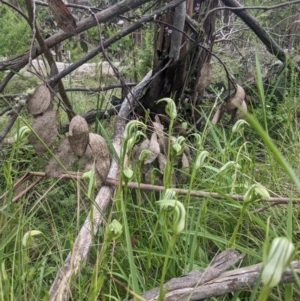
114, 46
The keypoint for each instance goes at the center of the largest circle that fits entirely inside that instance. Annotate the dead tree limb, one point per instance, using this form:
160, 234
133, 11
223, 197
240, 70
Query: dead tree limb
16, 9
61, 285
200, 194
99, 89
138, 24
254, 25
5, 81
11, 121
272, 201
215, 281
21, 60
76, 89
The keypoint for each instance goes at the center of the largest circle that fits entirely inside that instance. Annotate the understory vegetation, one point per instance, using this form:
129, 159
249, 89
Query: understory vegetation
237, 182
237, 158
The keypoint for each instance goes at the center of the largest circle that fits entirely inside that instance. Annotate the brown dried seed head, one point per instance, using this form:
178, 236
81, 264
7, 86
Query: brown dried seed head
79, 135
237, 99
39, 101
65, 155
45, 129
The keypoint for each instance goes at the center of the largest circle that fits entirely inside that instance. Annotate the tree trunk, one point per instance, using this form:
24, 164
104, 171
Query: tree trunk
177, 66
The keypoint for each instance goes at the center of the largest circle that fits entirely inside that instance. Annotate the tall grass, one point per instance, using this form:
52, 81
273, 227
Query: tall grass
136, 260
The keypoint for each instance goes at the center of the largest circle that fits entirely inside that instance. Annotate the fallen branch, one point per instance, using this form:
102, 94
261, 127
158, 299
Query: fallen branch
149, 187
10, 96
215, 195
61, 285
18, 183
99, 89
215, 281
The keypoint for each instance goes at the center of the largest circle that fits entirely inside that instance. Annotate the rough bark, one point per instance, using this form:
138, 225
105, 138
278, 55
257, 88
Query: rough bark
215, 281
172, 75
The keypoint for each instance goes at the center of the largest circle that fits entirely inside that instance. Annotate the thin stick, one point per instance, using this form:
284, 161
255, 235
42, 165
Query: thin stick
16, 198
99, 89
76, 89
215, 195
11, 121
149, 187
17, 184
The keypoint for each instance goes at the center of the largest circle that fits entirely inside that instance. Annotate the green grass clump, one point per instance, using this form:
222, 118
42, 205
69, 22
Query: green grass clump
15, 32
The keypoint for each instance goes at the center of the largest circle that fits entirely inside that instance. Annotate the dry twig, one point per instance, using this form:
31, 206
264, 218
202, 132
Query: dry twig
272, 201
215, 281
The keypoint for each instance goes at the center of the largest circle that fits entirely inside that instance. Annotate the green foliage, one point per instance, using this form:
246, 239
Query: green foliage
222, 161
15, 32
278, 99
139, 57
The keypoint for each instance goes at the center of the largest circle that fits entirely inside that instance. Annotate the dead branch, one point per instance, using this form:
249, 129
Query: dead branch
61, 285
99, 89
215, 195
138, 24
17, 184
71, 5
215, 281
221, 263
16, 9
258, 7
254, 25
176, 38
5, 81
272, 201
15, 112
20, 61
9, 96
75, 89
5, 110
